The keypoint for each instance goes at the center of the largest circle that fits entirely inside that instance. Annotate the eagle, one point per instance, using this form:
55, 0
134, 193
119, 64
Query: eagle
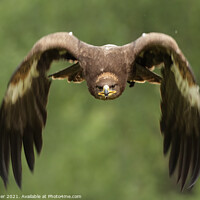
107, 71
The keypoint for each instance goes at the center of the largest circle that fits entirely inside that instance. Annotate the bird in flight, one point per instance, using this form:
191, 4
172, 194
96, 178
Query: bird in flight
107, 70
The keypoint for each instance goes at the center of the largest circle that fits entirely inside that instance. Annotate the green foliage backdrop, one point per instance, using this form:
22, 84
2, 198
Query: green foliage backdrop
100, 150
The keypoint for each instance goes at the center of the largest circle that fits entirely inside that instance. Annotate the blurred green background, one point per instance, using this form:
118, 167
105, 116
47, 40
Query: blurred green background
100, 150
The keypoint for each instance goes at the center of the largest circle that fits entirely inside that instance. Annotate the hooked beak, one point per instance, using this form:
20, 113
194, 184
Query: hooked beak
106, 91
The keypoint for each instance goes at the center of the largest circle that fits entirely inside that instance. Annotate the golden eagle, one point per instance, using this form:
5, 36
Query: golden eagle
106, 69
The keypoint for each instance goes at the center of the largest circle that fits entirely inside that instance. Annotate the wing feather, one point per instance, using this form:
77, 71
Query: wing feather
28, 143
23, 111
180, 103
16, 145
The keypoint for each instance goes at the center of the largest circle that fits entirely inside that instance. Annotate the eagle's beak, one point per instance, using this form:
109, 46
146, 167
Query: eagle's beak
106, 91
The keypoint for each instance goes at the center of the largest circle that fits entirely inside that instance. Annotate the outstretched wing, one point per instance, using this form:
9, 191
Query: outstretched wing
23, 110
180, 104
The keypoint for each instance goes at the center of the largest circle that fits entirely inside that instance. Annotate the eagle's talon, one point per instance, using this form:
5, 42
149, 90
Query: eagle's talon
131, 83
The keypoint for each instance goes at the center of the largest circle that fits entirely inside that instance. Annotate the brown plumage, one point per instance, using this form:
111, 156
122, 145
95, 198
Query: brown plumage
106, 69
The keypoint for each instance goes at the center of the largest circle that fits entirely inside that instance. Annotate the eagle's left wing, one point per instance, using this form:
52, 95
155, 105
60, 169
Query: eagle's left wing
180, 104
23, 110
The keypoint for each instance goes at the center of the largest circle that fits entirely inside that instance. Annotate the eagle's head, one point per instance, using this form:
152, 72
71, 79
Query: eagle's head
106, 87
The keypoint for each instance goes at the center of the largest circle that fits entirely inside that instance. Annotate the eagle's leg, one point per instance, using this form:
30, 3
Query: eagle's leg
131, 83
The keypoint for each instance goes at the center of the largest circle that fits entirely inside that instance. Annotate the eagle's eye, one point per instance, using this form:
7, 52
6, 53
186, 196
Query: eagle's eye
113, 86
99, 87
